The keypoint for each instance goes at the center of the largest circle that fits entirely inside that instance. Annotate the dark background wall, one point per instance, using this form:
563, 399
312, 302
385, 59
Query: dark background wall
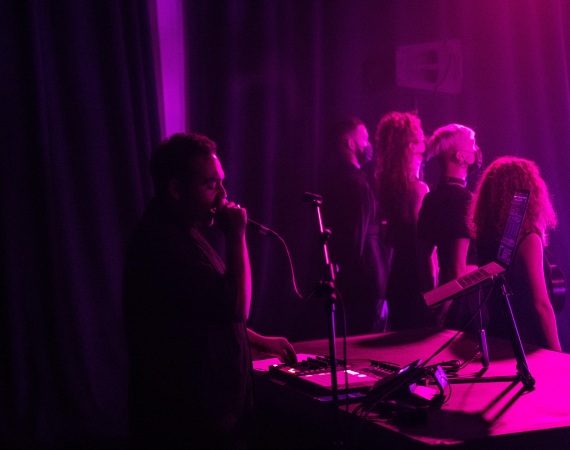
265, 80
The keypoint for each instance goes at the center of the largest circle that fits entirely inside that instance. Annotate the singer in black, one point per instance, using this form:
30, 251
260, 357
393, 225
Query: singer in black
349, 210
190, 382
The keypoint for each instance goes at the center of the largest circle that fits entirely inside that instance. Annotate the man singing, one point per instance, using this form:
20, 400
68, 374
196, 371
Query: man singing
185, 311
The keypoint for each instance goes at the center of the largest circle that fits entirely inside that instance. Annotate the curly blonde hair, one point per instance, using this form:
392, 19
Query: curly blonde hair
393, 134
494, 193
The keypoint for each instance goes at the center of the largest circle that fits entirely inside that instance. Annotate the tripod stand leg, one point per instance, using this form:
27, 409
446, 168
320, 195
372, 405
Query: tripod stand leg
482, 338
522, 365
483, 347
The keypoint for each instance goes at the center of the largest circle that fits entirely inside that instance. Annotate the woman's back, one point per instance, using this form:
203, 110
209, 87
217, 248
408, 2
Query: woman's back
522, 299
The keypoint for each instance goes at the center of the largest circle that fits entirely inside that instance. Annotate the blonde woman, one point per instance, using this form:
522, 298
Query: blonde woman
529, 270
442, 221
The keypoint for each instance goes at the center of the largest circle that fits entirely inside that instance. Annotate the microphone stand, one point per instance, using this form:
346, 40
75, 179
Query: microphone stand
326, 288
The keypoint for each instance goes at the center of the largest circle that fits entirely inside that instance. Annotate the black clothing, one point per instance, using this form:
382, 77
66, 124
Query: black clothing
349, 211
406, 305
190, 365
442, 219
522, 303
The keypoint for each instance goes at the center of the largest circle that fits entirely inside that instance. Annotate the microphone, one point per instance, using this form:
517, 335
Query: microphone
256, 226
315, 199
263, 230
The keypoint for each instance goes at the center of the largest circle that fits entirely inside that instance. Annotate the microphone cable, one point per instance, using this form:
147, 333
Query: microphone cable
268, 232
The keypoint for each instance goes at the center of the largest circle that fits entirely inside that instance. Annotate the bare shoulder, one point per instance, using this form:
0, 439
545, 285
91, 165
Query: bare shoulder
530, 252
412, 200
417, 190
419, 186
531, 245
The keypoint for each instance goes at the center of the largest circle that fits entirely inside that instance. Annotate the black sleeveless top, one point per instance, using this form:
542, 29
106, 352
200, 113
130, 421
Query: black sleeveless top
522, 303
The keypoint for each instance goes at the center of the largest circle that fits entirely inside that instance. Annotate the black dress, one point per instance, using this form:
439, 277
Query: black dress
406, 305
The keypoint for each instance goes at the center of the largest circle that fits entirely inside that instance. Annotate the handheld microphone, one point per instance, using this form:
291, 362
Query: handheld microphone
257, 226
263, 230
267, 232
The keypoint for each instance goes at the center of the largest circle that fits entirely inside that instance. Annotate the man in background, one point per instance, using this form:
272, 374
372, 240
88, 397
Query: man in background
350, 212
190, 381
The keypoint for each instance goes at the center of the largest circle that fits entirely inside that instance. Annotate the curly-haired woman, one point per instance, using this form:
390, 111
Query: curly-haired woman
399, 152
529, 269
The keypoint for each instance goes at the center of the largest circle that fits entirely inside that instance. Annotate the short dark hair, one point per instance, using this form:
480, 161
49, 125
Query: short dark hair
173, 158
342, 128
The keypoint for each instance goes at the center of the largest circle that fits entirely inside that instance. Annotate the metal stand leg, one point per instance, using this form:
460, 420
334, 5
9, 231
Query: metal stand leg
482, 338
332, 351
522, 366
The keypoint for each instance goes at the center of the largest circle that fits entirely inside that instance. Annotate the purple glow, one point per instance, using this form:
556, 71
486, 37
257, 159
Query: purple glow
171, 39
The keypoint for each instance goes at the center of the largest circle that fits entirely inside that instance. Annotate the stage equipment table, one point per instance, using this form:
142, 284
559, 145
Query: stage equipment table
478, 415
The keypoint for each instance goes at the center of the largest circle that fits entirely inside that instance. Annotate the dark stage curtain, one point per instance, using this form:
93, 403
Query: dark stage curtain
79, 114
265, 80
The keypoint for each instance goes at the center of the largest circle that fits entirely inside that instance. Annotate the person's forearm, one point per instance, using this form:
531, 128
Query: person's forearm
428, 277
427, 267
548, 323
239, 272
273, 346
255, 340
454, 271
530, 254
